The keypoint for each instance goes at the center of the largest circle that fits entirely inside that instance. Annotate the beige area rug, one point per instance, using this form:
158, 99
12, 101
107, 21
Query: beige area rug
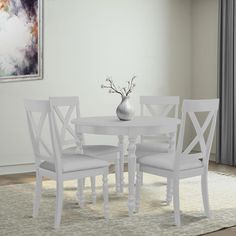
154, 218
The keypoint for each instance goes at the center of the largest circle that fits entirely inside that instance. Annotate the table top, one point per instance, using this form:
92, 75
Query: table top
137, 121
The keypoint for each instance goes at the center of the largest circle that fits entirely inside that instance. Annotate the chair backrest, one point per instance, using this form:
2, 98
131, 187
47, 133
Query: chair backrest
164, 104
41, 130
65, 109
204, 133
159, 106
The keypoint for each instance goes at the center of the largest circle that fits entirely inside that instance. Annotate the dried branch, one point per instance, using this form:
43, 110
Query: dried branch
122, 91
131, 85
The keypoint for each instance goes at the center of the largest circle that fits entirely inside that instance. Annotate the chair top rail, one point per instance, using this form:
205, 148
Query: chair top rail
64, 101
159, 100
36, 105
202, 105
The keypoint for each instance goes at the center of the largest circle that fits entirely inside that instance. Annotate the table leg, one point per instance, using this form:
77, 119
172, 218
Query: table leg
131, 173
79, 143
121, 146
172, 148
172, 142
81, 182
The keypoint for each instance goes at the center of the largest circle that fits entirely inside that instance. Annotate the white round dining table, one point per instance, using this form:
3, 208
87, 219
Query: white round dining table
139, 125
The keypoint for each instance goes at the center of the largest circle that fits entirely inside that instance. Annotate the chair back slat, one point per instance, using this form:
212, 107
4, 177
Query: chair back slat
167, 103
159, 106
167, 110
190, 109
62, 120
39, 120
151, 110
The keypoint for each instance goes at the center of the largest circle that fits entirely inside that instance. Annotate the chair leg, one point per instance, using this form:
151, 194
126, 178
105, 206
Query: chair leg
38, 193
121, 153
169, 190
93, 188
118, 172
80, 192
105, 195
205, 198
59, 203
121, 171
176, 201
138, 186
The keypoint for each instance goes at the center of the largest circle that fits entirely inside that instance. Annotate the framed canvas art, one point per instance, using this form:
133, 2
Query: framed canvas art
21, 52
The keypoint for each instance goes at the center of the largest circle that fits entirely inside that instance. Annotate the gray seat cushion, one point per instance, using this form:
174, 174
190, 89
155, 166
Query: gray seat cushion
75, 163
94, 150
166, 161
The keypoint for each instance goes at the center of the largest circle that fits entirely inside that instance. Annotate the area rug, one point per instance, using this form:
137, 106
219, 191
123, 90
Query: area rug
154, 218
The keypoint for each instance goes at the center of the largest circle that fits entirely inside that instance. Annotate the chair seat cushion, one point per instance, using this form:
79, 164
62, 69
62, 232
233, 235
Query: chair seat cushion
76, 163
93, 150
166, 161
144, 149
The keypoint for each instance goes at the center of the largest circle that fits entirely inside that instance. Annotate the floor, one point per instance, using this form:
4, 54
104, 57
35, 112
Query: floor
30, 177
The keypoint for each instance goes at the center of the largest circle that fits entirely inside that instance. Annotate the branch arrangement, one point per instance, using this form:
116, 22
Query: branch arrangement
124, 92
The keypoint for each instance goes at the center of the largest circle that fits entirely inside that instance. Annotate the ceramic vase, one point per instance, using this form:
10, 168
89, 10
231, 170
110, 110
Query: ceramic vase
125, 111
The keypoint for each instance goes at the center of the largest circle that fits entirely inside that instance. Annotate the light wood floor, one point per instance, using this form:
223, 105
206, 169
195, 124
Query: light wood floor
30, 177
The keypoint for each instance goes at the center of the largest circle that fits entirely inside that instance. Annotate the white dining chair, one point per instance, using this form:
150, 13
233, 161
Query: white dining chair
64, 110
53, 164
185, 162
157, 106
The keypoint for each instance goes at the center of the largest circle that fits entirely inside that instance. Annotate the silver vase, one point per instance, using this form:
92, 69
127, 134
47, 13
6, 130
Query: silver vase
125, 111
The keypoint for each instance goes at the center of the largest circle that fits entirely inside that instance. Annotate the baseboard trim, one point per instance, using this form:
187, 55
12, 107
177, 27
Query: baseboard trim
15, 169
213, 157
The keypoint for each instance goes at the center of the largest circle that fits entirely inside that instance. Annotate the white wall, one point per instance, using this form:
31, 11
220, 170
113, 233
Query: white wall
87, 40
204, 50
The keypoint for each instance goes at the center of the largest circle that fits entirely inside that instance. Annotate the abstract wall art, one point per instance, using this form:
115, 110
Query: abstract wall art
20, 40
